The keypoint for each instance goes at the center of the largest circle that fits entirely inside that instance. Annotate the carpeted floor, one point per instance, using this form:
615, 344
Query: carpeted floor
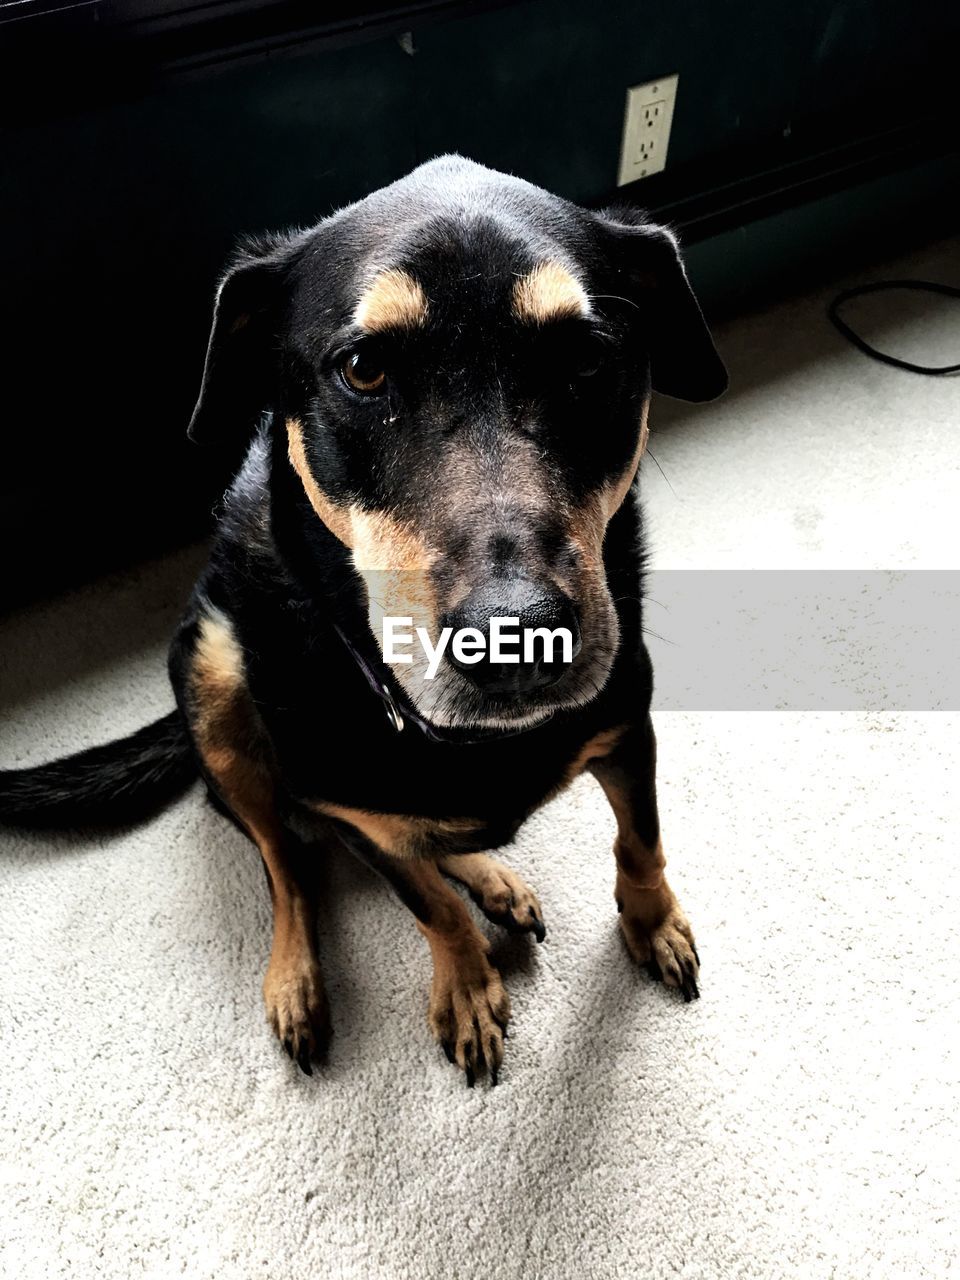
799, 1121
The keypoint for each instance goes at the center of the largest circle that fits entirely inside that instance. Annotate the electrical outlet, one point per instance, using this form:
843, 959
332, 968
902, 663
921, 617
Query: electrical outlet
646, 129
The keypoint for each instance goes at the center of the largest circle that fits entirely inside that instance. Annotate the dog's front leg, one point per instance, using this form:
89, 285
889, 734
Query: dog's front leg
502, 895
293, 988
232, 745
469, 1007
655, 928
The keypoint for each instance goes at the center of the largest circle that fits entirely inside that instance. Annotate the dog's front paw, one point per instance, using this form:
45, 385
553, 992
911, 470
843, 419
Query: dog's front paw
297, 1009
508, 900
469, 1011
658, 935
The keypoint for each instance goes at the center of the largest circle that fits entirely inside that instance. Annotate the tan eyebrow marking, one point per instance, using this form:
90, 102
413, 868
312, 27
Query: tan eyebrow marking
549, 292
394, 301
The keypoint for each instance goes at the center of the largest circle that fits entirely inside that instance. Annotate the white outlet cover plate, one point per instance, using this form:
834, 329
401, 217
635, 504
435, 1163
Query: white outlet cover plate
637, 129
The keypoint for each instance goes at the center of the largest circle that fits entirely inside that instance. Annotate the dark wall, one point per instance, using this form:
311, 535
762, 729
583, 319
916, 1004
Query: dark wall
126, 176
541, 89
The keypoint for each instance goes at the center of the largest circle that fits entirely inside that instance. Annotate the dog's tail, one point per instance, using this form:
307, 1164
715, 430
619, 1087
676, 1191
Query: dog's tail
111, 785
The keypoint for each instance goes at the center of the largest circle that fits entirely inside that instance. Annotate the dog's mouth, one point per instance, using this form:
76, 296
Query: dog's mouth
505, 654
573, 687
509, 697
501, 715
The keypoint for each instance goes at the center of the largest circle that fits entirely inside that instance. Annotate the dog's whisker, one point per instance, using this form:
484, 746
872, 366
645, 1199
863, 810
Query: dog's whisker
661, 470
613, 297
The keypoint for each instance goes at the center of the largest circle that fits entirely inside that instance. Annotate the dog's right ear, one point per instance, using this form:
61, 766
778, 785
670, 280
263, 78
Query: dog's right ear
649, 272
239, 376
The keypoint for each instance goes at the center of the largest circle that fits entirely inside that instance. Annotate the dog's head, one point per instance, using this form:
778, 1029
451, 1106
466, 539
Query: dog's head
461, 366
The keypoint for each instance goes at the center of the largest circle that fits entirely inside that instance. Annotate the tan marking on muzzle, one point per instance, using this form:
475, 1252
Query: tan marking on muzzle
589, 523
394, 563
394, 301
382, 544
613, 494
392, 559
549, 292
336, 518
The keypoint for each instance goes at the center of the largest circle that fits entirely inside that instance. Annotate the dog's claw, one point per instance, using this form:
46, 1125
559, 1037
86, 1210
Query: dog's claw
468, 1021
539, 928
689, 985
658, 935
297, 1010
502, 896
683, 977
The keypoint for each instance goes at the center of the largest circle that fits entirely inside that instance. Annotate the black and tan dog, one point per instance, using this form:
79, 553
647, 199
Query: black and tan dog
440, 397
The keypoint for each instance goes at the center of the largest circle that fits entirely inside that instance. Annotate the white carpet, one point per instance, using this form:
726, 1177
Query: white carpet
799, 1121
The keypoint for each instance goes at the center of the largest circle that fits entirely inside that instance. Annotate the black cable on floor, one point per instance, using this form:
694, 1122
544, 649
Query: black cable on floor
879, 286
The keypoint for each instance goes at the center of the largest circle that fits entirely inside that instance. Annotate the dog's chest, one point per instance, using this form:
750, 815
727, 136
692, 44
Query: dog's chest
414, 794
338, 754
481, 793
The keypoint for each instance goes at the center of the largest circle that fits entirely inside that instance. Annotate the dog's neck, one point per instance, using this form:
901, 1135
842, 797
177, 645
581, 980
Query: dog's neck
399, 711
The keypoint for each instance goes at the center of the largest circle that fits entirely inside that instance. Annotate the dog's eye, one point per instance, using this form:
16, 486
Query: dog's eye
363, 374
589, 358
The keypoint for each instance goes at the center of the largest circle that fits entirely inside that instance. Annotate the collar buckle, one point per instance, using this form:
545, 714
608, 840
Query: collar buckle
392, 710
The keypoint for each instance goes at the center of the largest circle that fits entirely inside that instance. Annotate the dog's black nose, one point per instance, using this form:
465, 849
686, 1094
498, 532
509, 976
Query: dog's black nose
539, 659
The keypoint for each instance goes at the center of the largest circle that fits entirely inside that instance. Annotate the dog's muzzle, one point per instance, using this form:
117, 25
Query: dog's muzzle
537, 606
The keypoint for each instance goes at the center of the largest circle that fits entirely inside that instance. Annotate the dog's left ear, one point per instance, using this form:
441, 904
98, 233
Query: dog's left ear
240, 371
648, 271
